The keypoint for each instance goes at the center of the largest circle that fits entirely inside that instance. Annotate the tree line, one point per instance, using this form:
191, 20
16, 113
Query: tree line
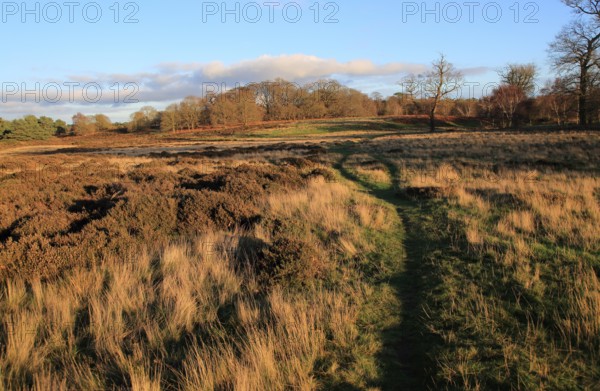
31, 127
572, 97
265, 101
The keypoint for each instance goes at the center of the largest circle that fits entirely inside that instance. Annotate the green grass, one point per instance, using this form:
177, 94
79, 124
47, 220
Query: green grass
293, 131
439, 312
325, 127
393, 315
451, 318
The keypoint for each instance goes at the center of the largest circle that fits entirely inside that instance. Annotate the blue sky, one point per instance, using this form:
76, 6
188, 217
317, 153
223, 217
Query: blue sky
171, 49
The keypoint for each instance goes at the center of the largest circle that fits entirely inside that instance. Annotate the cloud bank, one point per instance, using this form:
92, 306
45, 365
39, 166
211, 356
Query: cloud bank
168, 82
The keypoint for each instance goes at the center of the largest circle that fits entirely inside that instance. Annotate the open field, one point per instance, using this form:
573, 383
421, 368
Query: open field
346, 254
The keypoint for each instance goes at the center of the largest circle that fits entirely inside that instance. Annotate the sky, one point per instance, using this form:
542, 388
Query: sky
60, 58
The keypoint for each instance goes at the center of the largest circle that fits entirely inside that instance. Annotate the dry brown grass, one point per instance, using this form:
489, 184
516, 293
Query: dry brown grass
133, 319
326, 205
149, 272
579, 320
153, 310
523, 212
320, 202
554, 206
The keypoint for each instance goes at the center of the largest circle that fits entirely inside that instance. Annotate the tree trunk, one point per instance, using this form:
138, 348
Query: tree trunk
582, 110
432, 118
583, 92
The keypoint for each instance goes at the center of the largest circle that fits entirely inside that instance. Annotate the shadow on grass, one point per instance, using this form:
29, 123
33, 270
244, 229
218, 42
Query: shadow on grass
405, 358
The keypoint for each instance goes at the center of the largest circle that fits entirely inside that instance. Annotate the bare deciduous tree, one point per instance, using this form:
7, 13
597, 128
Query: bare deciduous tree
191, 110
585, 7
574, 53
171, 118
237, 106
146, 118
558, 100
506, 99
442, 80
519, 75
82, 124
102, 123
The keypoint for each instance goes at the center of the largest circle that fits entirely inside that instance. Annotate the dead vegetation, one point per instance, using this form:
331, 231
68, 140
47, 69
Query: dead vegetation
517, 300
179, 273
255, 268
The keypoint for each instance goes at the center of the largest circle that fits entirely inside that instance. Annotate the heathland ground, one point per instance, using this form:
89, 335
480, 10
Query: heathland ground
332, 254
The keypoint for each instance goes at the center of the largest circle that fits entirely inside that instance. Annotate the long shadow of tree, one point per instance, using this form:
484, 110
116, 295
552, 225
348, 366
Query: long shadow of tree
405, 358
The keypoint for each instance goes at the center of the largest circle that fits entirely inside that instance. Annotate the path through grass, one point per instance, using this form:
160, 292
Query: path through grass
402, 278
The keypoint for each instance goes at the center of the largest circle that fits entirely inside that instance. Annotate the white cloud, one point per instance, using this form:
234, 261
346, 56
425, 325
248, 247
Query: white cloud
298, 67
173, 81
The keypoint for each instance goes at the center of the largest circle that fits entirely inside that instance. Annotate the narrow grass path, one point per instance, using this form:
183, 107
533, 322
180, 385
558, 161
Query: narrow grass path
395, 313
